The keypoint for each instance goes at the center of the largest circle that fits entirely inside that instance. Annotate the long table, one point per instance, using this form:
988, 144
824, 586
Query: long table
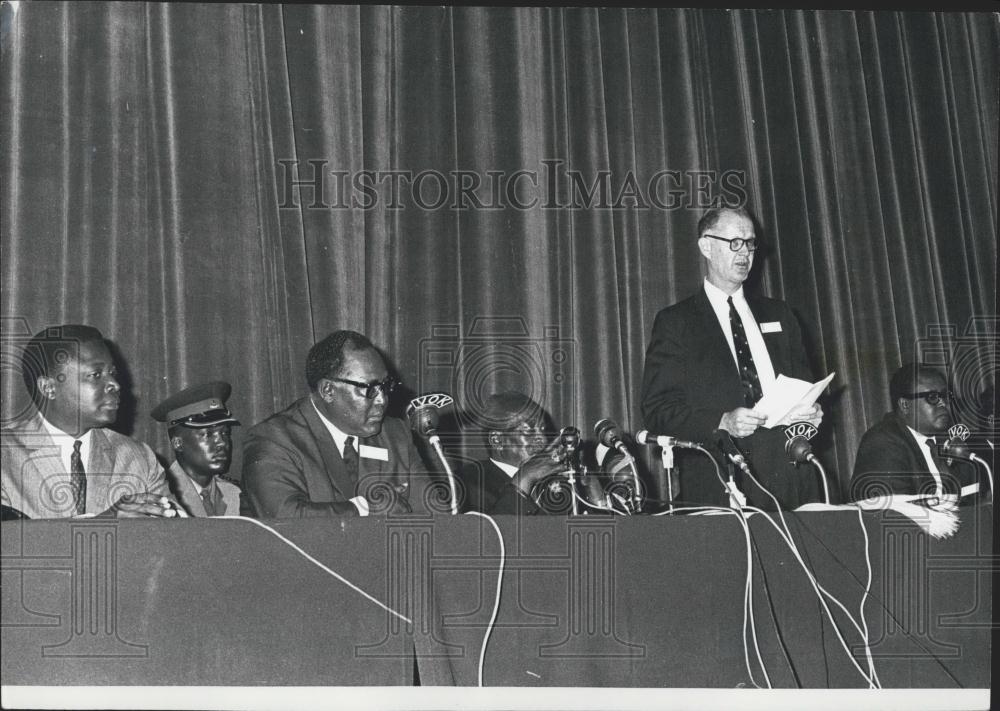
585, 601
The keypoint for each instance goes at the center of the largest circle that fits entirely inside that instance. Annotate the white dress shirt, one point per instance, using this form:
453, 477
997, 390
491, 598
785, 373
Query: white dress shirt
340, 439
758, 351
65, 444
506, 468
921, 440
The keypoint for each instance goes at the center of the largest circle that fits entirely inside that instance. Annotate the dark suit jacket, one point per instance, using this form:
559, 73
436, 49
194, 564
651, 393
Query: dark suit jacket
890, 461
292, 468
481, 483
690, 380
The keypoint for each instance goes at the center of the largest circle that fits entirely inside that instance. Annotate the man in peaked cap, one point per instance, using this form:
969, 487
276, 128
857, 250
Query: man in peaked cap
200, 428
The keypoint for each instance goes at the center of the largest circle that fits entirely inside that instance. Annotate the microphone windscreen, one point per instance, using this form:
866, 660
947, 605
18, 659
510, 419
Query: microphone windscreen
606, 431
798, 448
424, 419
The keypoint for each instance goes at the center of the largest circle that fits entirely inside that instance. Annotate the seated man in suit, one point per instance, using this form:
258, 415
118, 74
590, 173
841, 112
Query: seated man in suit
200, 429
334, 452
62, 460
517, 428
899, 454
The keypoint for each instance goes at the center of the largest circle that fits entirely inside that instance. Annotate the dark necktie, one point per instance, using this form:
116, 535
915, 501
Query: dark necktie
351, 459
78, 478
748, 371
206, 499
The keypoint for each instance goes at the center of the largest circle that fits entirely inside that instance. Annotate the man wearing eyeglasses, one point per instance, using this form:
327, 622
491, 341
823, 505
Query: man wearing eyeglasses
710, 360
516, 428
900, 455
334, 452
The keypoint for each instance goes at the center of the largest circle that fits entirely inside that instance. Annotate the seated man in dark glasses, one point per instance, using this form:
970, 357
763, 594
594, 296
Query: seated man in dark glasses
334, 452
901, 454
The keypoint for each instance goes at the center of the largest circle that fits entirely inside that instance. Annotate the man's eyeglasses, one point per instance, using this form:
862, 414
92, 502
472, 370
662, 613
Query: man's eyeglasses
933, 397
737, 243
372, 389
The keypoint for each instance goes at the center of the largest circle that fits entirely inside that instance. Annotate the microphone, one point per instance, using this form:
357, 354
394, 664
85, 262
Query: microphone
953, 449
645, 437
423, 414
799, 450
567, 443
797, 445
608, 433
955, 446
729, 448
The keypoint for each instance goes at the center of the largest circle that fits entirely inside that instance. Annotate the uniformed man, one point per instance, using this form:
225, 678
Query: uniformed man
200, 428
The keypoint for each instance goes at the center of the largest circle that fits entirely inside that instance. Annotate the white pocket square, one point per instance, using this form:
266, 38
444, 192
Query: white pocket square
771, 327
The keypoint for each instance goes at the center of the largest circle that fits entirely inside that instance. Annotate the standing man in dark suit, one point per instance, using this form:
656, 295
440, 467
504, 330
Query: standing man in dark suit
517, 428
899, 454
200, 428
61, 460
334, 452
711, 358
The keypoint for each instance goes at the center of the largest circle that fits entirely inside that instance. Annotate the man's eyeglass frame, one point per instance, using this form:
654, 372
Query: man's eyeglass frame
737, 243
386, 385
933, 397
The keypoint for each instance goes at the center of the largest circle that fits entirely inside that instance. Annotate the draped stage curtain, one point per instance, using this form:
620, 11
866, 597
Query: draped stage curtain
150, 154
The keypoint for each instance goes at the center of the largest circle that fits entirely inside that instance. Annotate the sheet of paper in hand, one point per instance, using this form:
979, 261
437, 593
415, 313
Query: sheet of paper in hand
786, 395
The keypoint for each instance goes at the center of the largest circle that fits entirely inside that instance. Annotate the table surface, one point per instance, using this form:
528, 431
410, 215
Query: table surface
585, 601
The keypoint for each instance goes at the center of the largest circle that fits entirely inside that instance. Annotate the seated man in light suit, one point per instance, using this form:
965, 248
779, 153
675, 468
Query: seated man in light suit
61, 460
334, 452
200, 428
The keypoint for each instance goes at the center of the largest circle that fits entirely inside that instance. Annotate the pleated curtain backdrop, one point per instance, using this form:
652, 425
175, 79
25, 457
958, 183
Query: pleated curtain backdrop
160, 166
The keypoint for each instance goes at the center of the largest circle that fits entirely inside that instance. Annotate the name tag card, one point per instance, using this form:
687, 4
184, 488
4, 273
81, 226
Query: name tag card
770, 327
970, 489
379, 453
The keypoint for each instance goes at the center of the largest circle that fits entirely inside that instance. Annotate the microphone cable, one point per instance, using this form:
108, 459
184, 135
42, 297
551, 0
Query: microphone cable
318, 564
496, 600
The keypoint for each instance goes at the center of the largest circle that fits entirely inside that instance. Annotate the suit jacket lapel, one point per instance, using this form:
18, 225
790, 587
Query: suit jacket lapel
715, 346
43, 466
101, 467
332, 461
186, 492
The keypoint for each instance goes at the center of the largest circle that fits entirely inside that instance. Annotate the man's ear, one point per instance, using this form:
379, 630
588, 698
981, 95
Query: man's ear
496, 440
705, 247
325, 389
903, 405
176, 443
46, 385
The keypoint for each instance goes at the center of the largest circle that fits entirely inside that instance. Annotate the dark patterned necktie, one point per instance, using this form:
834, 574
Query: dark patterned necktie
748, 371
351, 459
78, 478
206, 499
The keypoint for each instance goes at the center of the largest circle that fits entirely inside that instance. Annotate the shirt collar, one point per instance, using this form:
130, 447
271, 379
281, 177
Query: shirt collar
58, 435
508, 469
339, 437
720, 298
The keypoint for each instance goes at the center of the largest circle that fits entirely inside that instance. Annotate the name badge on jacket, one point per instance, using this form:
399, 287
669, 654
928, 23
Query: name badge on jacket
770, 327
379, 453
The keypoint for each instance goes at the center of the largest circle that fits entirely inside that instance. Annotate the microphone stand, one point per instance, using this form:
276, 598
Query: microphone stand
822, 475
435, 441
667, 458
